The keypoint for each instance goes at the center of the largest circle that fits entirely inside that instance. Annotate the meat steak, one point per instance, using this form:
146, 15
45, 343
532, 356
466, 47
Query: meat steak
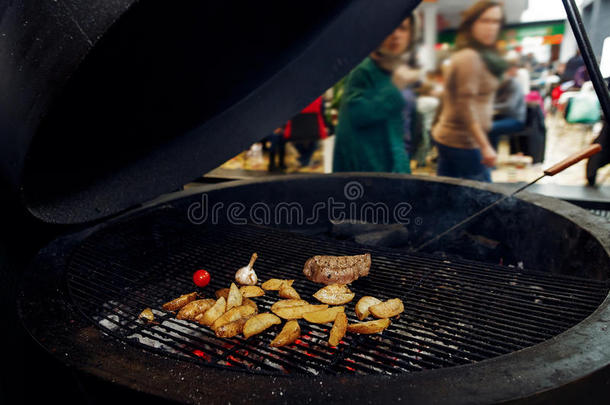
337, 269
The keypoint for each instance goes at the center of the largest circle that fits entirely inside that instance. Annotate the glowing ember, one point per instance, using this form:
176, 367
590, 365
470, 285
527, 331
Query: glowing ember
301, 343
201, 354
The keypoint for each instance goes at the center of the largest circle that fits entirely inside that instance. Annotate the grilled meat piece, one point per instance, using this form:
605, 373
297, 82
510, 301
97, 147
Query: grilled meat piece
337, 269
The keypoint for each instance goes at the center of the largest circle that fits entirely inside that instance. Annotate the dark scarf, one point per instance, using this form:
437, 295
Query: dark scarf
494, 61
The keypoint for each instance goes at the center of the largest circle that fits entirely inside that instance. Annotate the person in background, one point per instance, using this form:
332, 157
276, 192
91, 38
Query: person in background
409, 115
305, 129
510, 108
572, 66
472, 78
523, 77
523, 73
581, 77
531, 62
428, 102
278, 147
371, 124
412, 121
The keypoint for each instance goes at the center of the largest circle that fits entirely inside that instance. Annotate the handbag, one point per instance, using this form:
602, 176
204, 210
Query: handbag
583, 108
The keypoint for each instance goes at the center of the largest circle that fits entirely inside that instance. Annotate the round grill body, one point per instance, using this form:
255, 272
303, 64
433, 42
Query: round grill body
512, 307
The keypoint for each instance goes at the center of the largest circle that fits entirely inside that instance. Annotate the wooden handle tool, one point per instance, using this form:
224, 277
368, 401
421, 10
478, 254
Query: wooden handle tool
572, 160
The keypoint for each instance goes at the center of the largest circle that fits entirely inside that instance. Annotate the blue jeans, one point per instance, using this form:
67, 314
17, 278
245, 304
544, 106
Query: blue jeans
504, 126
462, 163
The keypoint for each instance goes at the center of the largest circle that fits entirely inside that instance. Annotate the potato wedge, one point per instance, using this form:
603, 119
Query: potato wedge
232, 315
370, 327
290, 332
274, 284
334, 294
362, 307
338, 330
179, 302
259, 323
147, 315
249, 291
223, 292
250, 303
194, 308
287, 303
213, 313
232, 329
323, 316
288, 292
298, 312
387, 309
235, 299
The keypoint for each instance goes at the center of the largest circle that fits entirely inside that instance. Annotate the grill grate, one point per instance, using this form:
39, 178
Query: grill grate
456, 312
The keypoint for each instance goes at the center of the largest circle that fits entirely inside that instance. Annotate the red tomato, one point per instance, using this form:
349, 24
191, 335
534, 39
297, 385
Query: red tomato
201, 278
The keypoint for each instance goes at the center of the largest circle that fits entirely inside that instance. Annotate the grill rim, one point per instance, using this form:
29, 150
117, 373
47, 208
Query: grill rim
580, 351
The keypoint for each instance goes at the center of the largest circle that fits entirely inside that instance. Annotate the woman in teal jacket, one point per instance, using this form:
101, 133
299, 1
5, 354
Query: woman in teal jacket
370, 134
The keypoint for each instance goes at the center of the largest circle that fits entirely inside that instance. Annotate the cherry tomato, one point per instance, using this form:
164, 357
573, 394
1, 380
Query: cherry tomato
201, 278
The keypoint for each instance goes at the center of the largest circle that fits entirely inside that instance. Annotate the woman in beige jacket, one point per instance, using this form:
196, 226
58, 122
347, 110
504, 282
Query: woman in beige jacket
471, 81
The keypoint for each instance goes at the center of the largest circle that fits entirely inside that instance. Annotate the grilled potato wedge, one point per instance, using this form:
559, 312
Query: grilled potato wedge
235, 299
387, 309
370, 327
194, 308
223, 292
175, 305
362, 307
232, 329
334, 294
249, 291
259, 323
288, 292
274, 284
232, 315
338, 330
323, 316
287, 303
147, 315
298, 312
290, 332
250, 303
213, 313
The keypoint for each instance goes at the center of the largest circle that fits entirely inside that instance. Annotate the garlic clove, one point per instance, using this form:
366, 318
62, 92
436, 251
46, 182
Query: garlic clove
246, 275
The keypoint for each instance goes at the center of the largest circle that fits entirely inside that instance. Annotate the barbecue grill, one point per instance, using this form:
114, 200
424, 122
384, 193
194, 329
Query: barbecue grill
485, 331
512, 307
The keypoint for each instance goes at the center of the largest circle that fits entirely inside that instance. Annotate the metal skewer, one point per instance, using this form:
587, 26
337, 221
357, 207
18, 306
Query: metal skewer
558, 168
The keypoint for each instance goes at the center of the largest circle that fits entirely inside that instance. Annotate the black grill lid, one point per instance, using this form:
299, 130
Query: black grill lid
107, 104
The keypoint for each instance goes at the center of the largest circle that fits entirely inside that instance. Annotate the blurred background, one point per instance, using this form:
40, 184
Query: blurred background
563, 114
